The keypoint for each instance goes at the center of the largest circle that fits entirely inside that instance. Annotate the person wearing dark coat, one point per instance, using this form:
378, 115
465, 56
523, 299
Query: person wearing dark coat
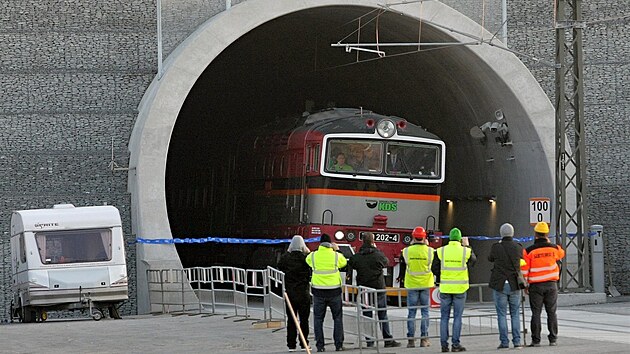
297, 278
506, 256
369, 264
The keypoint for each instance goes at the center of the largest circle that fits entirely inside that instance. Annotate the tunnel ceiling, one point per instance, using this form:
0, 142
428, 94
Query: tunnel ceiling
273, 70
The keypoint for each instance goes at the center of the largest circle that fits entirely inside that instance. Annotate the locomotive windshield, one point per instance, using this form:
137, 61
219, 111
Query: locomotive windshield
387, 158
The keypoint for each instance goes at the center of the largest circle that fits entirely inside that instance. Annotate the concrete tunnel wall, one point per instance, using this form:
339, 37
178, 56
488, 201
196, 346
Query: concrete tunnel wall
529, 114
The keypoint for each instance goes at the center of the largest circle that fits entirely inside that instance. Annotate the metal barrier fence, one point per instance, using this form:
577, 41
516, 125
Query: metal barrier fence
277, 305
475, 322
169, 290
227, 289
238, 292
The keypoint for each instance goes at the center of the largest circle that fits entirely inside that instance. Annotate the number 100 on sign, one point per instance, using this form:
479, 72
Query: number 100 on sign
539, 210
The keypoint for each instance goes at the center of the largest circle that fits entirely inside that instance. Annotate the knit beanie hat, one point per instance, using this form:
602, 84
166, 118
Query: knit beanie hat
506, 230
455, 234
324, 238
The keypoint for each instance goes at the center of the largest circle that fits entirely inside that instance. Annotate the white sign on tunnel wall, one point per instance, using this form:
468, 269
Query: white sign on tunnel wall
539, 210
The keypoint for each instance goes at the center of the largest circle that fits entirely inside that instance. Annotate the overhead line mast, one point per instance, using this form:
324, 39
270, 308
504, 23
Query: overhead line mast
571, 216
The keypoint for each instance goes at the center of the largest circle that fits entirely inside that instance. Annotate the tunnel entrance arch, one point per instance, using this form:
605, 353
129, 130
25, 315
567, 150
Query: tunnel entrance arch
531, 111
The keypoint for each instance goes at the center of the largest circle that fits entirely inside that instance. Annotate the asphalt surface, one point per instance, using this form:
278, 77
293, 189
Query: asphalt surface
603, 328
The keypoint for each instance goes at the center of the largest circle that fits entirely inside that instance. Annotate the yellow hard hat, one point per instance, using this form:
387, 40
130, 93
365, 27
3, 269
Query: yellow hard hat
542, 227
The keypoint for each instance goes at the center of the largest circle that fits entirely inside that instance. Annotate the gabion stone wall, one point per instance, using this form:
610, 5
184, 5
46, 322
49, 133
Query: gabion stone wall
73, 72
606, 109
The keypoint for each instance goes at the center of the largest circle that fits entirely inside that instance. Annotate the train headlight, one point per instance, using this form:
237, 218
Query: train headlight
386, 128
339, 235
351, 236
406, 239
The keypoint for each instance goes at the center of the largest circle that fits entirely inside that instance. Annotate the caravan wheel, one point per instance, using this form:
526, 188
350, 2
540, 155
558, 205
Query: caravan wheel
97, 314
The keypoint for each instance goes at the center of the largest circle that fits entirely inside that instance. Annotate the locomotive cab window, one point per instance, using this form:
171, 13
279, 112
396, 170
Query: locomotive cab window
361, 157
309, 158
413, 160
316, 157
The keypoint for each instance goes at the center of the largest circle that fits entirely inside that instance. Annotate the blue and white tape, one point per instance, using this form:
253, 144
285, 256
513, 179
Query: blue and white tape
266, 241
229, 240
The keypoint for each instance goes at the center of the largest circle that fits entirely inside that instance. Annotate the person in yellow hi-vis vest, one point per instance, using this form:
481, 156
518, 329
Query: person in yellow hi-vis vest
326, 289
415, 268
450, 266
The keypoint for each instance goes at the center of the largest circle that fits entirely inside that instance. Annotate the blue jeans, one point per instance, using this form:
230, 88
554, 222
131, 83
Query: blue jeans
415, 298
456, 301
319, 312
501, 301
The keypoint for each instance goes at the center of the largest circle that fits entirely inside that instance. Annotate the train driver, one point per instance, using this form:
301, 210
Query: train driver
395, 160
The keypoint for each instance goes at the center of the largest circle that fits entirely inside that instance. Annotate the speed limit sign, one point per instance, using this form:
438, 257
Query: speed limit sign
539, 210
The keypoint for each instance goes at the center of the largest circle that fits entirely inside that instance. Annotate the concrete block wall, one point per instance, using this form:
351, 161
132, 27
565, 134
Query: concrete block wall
73, 72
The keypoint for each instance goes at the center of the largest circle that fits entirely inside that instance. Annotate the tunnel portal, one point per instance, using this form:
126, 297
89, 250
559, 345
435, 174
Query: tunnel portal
215, 90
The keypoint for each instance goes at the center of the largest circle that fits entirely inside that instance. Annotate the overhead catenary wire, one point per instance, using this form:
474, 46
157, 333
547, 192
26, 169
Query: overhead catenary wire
478, 40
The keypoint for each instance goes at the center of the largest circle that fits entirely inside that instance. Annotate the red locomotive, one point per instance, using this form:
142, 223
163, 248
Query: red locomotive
342, 172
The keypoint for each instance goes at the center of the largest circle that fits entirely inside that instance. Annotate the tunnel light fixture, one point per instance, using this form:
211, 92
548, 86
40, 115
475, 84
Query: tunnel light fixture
498, 114
472, 198
386, 128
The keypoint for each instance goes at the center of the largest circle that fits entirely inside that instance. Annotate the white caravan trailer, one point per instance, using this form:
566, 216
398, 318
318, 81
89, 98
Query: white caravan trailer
67, 258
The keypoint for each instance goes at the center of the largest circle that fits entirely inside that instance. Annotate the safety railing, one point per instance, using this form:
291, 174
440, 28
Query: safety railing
276, 289
169, 291
476, 320
229, 291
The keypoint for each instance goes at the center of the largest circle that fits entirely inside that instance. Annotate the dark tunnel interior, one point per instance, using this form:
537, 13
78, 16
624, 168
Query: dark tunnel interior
287, 66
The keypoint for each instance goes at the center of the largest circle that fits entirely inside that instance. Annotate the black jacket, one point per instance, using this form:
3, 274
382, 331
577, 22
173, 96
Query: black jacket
297, 273
506, 257
369, 264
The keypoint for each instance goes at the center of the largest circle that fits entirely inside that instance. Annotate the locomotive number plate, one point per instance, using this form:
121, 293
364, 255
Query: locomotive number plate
383, 237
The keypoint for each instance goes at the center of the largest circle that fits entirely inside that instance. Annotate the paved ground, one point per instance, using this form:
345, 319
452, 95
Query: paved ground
603, 328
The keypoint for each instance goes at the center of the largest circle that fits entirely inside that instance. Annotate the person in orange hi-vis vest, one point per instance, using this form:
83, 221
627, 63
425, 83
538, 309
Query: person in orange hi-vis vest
542, 272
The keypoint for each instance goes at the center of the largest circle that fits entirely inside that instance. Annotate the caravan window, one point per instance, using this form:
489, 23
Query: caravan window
22, 249
74, 246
